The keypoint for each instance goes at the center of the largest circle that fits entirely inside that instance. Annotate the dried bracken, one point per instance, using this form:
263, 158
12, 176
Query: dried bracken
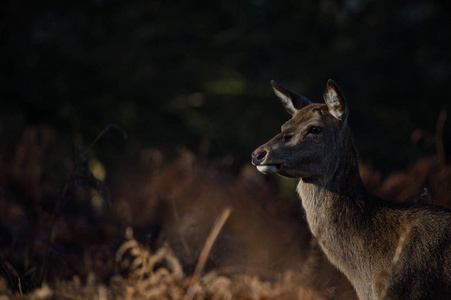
263, 251
150, 275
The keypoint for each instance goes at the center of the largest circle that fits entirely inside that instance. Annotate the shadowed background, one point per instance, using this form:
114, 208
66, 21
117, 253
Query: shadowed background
188, 84
197, 73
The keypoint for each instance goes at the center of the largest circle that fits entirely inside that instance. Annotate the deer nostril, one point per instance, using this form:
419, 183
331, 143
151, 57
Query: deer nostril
259, 156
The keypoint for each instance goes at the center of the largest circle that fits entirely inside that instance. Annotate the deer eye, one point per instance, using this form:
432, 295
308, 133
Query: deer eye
287, 137
315, 129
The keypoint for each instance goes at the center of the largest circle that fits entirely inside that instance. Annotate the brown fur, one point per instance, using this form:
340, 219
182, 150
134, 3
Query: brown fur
359, 232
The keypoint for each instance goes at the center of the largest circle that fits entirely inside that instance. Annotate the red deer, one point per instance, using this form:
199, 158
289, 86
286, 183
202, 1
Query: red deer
387, 250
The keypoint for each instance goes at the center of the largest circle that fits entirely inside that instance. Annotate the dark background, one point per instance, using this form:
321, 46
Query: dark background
197, 73
189, 84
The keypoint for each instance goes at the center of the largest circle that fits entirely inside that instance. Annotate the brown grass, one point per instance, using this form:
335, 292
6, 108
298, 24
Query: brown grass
263, 251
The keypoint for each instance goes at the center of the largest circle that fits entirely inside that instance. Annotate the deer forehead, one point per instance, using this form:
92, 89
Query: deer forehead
310, 115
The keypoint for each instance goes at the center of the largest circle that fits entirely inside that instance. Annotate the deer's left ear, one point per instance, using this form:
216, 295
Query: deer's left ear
335, 101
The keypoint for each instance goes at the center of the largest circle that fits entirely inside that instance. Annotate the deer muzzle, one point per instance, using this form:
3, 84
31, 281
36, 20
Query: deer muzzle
258, 160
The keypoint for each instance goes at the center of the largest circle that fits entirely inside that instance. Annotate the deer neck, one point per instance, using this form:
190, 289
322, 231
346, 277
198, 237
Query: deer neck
332, 199
338, 210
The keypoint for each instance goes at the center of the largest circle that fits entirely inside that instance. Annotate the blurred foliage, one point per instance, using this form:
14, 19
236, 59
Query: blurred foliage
53, 231
196, 73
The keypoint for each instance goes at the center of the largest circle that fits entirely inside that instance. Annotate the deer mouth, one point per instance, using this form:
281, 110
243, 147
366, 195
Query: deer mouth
269, 169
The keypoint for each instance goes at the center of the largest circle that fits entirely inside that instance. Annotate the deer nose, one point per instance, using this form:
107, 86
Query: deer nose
258, 157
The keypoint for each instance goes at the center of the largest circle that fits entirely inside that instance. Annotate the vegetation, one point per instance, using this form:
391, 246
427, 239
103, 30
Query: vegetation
187, 85
65, 241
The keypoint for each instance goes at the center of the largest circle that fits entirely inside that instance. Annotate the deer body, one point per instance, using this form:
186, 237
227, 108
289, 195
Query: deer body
387, 250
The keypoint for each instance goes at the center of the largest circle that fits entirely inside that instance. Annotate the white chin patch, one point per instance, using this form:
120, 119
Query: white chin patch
267, 169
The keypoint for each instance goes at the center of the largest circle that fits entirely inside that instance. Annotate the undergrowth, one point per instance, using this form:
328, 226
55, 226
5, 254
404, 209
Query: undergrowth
152, 230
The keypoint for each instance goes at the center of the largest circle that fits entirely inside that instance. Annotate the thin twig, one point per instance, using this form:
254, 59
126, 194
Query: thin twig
99, 136
220, 221
64, 191
19, 284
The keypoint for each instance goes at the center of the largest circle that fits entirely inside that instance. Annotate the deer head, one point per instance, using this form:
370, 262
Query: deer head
309, 144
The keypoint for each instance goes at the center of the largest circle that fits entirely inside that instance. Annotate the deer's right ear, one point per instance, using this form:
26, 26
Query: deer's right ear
292, 101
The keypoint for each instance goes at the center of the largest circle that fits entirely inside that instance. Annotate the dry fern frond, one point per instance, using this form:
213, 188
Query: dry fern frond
150, 275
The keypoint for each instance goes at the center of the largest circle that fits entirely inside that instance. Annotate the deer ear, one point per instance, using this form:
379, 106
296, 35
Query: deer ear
335, 101
292, 101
